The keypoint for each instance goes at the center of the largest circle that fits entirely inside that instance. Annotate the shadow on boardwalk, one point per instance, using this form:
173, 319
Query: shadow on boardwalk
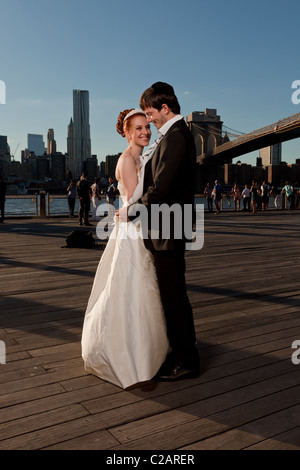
244, 288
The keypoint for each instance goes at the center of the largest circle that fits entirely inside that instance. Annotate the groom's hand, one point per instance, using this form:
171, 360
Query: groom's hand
122, 214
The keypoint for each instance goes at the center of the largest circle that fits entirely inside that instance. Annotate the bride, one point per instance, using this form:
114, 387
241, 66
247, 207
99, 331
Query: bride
124, 338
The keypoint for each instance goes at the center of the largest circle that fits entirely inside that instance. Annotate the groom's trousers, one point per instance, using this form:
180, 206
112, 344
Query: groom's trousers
170, 269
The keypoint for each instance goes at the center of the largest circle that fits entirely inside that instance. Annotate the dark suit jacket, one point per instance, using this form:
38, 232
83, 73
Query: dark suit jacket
83, 189
2, 190
169, 179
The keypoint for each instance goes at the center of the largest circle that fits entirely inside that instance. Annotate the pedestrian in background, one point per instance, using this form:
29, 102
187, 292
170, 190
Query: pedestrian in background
254, 191
71, 196
84, 195
208, 195
217, 196
2, 197
246, 198
289, 191
96, 198
111, 195
277, 197
236, 192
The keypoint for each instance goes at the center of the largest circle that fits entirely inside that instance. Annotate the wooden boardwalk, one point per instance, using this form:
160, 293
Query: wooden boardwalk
245, 291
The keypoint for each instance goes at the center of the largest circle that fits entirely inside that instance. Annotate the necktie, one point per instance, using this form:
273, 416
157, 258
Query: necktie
152, 147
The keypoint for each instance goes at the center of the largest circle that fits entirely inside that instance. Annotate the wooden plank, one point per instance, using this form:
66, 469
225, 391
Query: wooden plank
281, 428
102, 440
48, 403
37, 380
23, 396
200, 429
288, 440
14, 433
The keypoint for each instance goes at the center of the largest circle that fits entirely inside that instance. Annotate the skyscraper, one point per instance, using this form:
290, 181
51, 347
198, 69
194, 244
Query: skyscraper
51, 143
35, 143
3, 144
271, 155
70, 162
81, 129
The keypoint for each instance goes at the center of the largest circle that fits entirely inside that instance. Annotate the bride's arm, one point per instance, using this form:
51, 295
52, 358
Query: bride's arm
126, 172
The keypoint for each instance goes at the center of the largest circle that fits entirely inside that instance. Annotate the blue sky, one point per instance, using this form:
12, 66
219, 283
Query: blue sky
236, 56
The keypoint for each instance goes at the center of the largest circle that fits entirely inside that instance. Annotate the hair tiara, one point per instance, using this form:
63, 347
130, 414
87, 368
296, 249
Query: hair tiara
134, 111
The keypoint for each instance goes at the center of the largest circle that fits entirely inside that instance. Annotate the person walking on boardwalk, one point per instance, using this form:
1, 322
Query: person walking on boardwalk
71, 196
277, 197
208, 195
84, 195
217, 196
253, 191
96, 198
246, 194
111, 195
236, 192
265, 195
290, 195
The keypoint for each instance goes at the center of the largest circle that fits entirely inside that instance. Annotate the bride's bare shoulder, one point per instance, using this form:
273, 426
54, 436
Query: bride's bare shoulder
126, 159
125, 162
126, 155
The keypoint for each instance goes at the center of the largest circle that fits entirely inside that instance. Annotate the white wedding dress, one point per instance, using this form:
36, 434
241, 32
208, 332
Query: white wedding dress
124, 338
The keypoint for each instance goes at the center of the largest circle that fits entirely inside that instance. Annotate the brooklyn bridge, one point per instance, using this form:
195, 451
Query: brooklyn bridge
214, 147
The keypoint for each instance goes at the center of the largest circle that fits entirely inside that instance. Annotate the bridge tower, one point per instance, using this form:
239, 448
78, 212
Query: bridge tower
206, 128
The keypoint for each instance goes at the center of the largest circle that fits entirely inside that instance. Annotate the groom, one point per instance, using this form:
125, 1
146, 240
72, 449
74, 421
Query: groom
167, 180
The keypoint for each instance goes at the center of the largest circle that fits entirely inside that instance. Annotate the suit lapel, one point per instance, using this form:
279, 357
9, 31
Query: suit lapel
156, 151
153, 161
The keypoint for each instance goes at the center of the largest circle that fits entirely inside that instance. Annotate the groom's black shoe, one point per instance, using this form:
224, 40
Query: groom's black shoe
177, 372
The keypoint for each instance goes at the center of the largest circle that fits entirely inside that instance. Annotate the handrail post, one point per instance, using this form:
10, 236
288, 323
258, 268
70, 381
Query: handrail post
36, 205
48, 205
42, 204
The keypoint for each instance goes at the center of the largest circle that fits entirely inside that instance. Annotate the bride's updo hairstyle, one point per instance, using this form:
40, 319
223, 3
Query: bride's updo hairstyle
125, 118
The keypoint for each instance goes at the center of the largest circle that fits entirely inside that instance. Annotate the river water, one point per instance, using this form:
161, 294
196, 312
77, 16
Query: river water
57, 205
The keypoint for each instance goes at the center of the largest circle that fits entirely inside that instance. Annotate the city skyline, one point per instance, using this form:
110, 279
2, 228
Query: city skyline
236, 58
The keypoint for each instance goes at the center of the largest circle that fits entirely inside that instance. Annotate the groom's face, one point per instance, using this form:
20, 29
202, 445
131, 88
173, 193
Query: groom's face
157, 118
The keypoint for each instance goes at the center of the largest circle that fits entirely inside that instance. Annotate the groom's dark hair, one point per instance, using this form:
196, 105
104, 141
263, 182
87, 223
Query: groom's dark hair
158, 94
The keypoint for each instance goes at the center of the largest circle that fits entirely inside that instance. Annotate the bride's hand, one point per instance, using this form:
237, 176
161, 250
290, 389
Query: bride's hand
122, 214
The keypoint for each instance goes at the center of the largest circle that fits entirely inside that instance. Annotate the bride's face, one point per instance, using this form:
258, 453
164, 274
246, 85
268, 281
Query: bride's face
139, 132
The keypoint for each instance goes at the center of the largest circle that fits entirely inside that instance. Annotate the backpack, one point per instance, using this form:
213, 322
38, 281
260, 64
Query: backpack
80, 239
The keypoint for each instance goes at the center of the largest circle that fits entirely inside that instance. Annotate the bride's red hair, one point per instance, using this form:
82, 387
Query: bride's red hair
121, 126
